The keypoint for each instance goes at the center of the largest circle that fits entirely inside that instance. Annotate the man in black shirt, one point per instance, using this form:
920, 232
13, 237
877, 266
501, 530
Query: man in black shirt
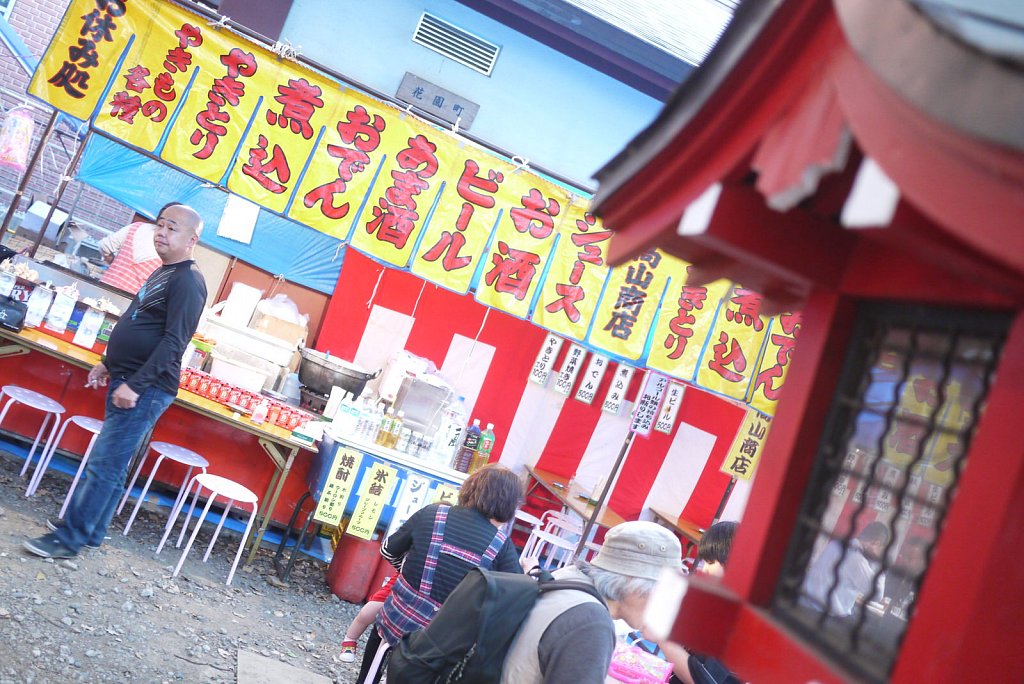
142, 365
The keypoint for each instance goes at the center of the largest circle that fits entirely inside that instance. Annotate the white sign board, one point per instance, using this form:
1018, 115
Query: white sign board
592, 378
545, 359
570, 369
669, 408
646, 410
617, 389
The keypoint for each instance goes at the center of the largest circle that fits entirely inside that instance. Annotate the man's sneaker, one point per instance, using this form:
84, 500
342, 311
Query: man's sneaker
48, 546
348, 651
52, 525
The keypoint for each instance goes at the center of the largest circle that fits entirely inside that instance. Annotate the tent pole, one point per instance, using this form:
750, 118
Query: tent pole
65, 179
16, 199
592, 520
724, 501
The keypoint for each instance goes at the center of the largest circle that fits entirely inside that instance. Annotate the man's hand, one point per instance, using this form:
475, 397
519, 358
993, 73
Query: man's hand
97, 376
124, 396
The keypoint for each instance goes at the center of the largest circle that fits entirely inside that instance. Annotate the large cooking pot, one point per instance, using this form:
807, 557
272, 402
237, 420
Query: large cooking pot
320, 372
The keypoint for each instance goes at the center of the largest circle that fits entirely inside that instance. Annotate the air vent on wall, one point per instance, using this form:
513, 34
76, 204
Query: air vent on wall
457, 44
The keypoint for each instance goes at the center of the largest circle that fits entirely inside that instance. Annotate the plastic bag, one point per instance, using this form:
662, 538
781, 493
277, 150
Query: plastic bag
16, 138
281, 306
632, 665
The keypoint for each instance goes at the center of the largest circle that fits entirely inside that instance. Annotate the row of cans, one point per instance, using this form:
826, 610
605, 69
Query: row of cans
205, 385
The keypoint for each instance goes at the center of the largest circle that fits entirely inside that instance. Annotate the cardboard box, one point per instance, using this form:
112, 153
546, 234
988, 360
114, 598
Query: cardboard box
281, 329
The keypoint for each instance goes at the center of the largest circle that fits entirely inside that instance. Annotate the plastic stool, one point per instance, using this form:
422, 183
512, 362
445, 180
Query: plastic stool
218, 486
166, 450
40, 402
92, 425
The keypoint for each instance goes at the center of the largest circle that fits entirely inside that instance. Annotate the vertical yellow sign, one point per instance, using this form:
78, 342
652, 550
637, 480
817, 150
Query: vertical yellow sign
745, 453
522, 244
630, 304
446, 494
375, 492
404, 195
771, 374
734, 347
76, 68
343, 473
579, 268
457, 236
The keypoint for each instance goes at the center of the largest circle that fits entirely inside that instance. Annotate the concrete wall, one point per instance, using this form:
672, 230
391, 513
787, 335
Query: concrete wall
537, 103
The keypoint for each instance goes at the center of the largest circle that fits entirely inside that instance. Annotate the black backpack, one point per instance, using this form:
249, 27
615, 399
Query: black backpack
470, 635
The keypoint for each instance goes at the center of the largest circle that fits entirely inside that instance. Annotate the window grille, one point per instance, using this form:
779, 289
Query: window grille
456, 44
909, 398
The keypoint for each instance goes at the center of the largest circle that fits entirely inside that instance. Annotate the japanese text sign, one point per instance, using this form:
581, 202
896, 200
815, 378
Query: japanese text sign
745, 452
570, 369
617, 389
374, 494
592, 378
734, 345
669, 408
340, 480
545, 359
413, 497
446, 494
646, 410
629, 305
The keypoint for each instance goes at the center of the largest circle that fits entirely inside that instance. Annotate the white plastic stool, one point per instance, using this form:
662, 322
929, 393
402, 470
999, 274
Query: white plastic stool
86, 423
40, 402
166, 450
218, 486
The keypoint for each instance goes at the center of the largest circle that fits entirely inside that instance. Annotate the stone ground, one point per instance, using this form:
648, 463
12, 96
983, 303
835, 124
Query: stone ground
115, 614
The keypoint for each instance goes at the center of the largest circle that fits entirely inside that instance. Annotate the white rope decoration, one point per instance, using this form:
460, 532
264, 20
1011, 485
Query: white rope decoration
373, 295
285, 50
220, 23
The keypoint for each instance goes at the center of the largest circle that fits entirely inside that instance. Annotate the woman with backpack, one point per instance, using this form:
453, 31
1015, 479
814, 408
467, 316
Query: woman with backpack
435, 549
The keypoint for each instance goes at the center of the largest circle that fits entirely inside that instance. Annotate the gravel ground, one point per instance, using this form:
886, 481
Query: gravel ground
116, 615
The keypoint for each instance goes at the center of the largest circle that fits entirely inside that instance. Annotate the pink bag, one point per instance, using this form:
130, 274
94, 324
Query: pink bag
632, 665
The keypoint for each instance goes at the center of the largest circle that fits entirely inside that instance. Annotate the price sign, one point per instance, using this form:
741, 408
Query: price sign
646, 410
617, 389
338, 487
669, 408
412, 499
570, 369
378, 482
592, 378
545, 359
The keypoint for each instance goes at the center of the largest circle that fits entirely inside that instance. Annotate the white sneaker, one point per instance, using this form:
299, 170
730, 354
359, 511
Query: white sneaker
348, 651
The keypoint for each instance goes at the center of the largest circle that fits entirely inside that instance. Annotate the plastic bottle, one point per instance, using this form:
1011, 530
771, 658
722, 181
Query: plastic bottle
397, 427
259, 414
448, 437
483, 452
384, 427
464, 459
405, 442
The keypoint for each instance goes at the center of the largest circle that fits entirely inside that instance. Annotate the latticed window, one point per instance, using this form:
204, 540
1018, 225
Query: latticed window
896, 441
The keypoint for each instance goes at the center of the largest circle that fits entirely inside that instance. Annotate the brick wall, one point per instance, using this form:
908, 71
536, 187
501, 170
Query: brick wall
35, 21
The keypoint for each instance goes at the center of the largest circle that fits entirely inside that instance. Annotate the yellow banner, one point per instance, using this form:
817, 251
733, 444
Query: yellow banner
446, 494
154, 77
745, 453
734, 344
630, 304
404, 195
579, 268
224, 97
75, 69
522, 243
282, 137
465, 218
375, 492
346, 163
344, 470
764, 393
684, 321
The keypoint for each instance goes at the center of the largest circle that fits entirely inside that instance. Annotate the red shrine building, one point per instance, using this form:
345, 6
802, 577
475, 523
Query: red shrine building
861, 161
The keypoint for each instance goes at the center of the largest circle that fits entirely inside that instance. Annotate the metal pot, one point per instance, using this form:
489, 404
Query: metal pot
320, 372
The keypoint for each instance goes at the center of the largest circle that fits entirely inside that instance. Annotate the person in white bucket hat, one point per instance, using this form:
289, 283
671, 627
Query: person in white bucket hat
569, 637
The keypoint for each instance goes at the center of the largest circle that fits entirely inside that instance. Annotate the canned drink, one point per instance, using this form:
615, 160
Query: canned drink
224, 393
282, 417
183, 376
213, 391
294, 418
245, 400
193, 381
273, 413
203, 388
235, 396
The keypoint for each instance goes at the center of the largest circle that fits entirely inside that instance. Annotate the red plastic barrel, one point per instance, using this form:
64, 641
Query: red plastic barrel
352, 568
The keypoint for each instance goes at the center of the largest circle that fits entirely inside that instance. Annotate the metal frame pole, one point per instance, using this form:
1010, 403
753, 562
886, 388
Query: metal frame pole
65, 180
